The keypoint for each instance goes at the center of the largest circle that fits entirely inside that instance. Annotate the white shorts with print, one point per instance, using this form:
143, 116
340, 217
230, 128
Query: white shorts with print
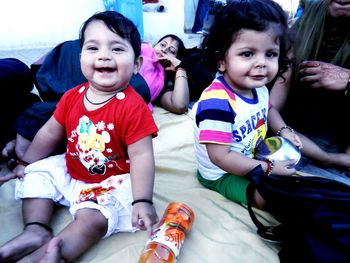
49, 179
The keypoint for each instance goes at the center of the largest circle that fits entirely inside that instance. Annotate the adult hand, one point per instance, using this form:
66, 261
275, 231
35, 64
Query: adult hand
18, 172
169, 62
144, 216
318, 74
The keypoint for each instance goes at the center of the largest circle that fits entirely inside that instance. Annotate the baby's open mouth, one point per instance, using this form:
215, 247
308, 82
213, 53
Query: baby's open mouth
104, 69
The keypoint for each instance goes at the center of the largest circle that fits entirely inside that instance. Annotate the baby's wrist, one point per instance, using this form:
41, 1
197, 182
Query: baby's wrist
21, 162
284, 129
270, 165
142, 200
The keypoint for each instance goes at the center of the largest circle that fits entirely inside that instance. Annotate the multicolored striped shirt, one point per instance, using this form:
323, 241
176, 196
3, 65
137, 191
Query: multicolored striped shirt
225, 117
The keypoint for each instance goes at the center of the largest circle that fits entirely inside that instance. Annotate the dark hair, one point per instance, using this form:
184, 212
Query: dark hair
257, 15
118, 24
181, 50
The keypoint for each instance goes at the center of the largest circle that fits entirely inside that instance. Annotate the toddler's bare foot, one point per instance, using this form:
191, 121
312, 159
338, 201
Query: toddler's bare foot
9, 149
53, 252
33, 237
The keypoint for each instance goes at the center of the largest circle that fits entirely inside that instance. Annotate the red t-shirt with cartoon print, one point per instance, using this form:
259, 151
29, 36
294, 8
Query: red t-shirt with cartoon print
98, 139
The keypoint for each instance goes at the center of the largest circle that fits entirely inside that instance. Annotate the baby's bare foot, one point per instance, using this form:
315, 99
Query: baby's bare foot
53, 252
33, 237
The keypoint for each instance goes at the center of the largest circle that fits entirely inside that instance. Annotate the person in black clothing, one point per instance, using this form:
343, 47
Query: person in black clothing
16, 85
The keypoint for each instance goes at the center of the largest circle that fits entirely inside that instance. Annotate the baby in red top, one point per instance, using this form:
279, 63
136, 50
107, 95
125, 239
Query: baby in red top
106, 176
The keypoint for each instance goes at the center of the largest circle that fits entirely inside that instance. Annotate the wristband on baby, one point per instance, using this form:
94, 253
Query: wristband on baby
270, 166
21, 162
284, 127
142, 201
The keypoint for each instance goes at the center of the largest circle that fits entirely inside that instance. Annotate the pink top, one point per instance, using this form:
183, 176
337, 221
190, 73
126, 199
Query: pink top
152, 71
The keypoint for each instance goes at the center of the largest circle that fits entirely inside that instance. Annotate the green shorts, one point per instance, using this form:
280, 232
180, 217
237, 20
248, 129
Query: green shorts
231, 186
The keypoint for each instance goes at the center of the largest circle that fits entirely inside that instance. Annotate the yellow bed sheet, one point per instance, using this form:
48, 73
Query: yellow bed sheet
222, 230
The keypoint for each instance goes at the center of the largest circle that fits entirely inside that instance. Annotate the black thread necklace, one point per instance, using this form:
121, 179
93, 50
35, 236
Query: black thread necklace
102, 102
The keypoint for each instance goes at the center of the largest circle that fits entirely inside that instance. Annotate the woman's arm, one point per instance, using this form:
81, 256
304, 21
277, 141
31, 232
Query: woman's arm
177, 100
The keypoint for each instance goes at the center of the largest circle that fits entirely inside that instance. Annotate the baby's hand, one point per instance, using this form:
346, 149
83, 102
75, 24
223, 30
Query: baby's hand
293, 137
284, 167
18, 172
144, 216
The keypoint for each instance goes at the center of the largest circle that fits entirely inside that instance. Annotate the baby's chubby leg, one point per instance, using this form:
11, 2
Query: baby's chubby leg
37, 213
88, 227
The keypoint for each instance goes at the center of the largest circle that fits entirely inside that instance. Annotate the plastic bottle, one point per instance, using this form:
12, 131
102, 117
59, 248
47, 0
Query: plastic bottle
166, 240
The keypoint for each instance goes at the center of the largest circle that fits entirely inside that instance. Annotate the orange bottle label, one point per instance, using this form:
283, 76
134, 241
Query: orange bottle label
173, 227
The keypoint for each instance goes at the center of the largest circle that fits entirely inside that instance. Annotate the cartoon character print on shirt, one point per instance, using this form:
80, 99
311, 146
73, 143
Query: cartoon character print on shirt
259, 135
91, 145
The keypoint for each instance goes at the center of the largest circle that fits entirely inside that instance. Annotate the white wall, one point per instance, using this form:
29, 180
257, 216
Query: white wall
158, 24
42, 23
45, 23
27, 24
